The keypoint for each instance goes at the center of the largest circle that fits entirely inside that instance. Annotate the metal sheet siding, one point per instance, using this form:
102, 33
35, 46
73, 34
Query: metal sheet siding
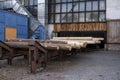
22, 30
2, 16
8, 19
2, 29
2, 37
22, 20
22, 36
40, 33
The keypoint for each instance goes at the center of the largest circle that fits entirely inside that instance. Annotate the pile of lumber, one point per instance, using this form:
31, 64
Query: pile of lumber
43, 50
78, 42
62, 43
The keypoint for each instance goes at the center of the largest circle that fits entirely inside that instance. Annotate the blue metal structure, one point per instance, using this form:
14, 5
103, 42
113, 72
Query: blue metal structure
34, 24
14, 20
40, 33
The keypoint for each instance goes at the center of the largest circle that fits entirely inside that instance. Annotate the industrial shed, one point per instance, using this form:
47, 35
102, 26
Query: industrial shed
13, 25
69, 39
70, 18
79, 18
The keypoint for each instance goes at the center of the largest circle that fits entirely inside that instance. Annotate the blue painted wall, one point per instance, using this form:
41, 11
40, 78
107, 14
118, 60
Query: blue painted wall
9, 19
40, 33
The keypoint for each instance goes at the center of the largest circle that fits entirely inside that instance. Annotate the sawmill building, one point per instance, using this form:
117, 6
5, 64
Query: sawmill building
71, 18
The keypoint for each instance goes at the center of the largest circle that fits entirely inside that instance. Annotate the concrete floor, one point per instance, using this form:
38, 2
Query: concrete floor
92, 65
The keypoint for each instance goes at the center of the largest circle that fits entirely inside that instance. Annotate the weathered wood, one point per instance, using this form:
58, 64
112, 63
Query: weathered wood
50, 46
10, 56
77, 38
76, 43
59, 43
53, 41
33, 51
4, 45
23, 48
98, 39
90, 41
64, 46
34, 47
40, 41
1, 52
18, 44
72, 38
80, 27
113, 31
20, 40
82, 41
10, 51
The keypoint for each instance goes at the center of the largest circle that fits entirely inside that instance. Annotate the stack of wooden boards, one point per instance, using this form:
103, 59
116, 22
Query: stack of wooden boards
43, 50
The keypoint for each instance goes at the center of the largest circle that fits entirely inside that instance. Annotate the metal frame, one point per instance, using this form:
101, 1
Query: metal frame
31, 7
50, 4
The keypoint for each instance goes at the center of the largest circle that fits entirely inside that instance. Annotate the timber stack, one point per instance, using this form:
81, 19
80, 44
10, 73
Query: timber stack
39, 51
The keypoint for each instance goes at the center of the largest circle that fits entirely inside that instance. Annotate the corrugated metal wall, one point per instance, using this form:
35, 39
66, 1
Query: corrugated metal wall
8, 19
113, 35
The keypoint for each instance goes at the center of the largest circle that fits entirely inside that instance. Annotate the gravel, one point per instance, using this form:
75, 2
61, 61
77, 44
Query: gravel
92, 65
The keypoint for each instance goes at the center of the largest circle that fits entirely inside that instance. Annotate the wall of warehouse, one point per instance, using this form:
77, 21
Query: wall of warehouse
13, 20
113, 9
113, 24
112, 12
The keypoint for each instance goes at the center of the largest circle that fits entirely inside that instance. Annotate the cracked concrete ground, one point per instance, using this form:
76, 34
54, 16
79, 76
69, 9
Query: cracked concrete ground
92, 65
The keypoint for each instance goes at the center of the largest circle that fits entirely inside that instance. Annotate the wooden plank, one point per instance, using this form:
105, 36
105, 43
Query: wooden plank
1, 52
50, 46
98, 39
81, 27
72, 38
78, 38
40, 41
113, 31
18, 44
10, 33
57, 28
